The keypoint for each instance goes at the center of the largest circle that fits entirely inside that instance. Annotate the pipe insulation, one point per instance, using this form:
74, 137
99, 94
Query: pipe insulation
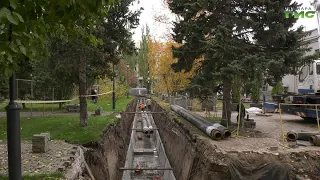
145, 125
294, 135
315, 140
210, 130
225, 132
150, 120
149, 125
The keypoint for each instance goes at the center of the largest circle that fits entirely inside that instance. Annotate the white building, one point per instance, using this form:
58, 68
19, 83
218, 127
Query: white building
290, 82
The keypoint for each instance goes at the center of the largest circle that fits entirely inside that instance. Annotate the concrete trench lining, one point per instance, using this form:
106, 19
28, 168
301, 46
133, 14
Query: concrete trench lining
146, 153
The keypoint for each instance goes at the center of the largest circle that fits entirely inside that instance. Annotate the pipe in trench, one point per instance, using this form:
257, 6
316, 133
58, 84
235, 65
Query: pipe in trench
293, 135
150, 119
210, 130
315, 140
226, 133
145, 125
148, 122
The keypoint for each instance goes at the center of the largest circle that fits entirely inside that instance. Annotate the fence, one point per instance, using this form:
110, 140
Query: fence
212, 107
42, 105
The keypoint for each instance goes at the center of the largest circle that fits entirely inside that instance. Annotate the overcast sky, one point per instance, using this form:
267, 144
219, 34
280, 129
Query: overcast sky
159, 30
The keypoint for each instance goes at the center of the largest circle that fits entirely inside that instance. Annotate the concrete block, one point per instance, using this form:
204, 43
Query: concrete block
47, 135
40, 143
98, 111
250, 124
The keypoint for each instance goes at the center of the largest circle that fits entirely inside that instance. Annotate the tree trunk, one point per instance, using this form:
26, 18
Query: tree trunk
82, 91
226, 109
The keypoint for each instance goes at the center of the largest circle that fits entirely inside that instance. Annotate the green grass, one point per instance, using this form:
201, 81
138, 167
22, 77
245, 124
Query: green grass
54, 176
62, 128
105, 104
214, 119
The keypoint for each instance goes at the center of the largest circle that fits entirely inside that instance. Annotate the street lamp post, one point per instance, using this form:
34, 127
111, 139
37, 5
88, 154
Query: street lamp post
13, 127
13, 132
113, 90
127, 80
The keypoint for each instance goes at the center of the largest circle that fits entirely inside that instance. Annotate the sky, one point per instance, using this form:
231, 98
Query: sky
158, 30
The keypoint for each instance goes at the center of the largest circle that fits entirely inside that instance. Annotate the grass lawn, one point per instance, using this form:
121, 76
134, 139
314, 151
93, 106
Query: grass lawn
105, 104
62, 128
55, 176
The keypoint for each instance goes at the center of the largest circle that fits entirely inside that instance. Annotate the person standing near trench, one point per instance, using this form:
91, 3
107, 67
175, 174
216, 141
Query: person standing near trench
243, 111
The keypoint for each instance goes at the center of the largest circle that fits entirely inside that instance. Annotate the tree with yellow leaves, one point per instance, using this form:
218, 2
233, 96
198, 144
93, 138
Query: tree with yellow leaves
160, 59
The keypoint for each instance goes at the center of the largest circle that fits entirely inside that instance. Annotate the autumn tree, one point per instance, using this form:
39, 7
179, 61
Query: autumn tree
160, 60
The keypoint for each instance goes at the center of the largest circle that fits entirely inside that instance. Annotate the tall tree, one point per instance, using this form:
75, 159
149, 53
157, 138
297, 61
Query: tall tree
143, 65
92, 60
30, 22
160, 60
234, 34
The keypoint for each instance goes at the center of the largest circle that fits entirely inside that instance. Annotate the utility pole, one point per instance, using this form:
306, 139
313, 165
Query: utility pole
113, 90
13, 127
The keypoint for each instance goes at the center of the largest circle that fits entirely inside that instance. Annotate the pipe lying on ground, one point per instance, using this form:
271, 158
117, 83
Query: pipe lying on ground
210, 130
225, 132
293, 135
315, 140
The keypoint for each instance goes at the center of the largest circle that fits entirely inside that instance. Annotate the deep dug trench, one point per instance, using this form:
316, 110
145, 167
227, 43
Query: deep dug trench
195, 158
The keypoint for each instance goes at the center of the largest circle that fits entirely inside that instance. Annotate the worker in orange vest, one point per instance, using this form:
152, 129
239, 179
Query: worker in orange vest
142, 107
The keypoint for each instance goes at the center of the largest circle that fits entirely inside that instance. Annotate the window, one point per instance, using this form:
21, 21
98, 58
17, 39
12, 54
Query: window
318, 68
303, 73
310, 69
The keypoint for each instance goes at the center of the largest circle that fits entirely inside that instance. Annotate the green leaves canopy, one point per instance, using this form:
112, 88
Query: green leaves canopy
26, 23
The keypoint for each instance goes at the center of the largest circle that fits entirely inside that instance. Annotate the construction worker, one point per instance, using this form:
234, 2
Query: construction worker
142, 107
242, 113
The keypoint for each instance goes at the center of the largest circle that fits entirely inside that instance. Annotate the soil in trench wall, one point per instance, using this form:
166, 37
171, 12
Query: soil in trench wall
104, 158
195, 158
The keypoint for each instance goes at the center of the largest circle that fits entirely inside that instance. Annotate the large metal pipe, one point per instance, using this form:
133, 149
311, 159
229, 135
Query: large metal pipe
293, 135
225, 132
150, 120
210, 130
315, 140
148, 123
145, 125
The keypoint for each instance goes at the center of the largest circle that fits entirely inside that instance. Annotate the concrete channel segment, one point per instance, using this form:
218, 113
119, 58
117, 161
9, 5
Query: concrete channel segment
146, 158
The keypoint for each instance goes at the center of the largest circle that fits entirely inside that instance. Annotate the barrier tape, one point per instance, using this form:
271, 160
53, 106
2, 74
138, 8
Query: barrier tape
51, 102
43, 102
96, 94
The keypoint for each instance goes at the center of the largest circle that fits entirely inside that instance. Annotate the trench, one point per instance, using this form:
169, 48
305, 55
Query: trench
190, 158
